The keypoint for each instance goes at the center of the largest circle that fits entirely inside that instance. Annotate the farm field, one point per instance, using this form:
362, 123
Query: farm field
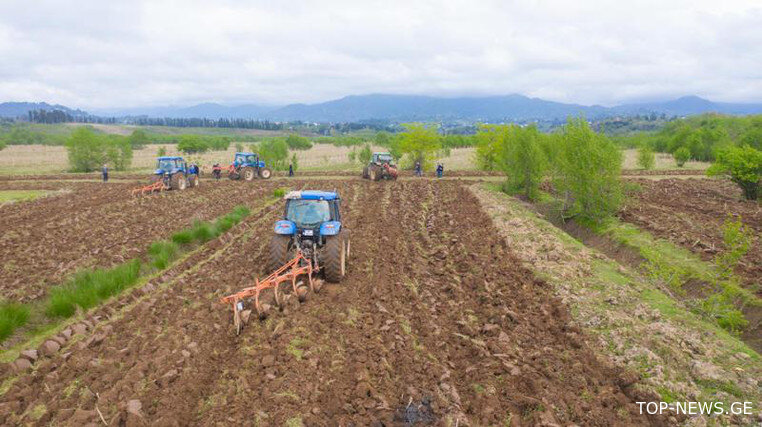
691, 212
469, 335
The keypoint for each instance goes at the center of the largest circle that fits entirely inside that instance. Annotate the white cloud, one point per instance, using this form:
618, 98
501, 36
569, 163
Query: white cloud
100, 54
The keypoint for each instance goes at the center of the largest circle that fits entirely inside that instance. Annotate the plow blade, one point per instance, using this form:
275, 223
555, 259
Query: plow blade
148, 189
288, 275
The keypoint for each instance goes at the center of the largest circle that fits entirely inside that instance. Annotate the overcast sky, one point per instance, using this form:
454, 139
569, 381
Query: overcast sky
106, 53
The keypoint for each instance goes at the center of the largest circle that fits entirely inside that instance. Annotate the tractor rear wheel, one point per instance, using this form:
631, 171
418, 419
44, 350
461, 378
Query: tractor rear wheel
365, 172
279, 248
178, 182
248, 173
193, 181
372, 174
265, 173
335, 257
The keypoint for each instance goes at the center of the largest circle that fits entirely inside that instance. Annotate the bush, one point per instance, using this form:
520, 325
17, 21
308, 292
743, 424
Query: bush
743, 165
203, 231
12, 316
219, 143
294, 162
587, 173
298, 142
517, 151
87, 151
681, 156
646, 157
183, 237
2, 145
365, 154
89, 287
488, 148
162, 151
279, 192
238, 147
191, 144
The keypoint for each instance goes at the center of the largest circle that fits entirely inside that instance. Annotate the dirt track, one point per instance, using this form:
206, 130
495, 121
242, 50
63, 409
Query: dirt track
435, 322
691, 213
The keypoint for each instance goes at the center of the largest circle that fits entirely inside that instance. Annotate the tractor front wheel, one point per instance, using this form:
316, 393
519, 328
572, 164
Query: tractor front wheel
248, 173
265, 173
335, 257
178, 182
279, 248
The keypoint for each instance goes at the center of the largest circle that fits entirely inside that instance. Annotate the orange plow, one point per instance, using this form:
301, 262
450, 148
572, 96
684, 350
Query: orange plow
287, 274
150, 188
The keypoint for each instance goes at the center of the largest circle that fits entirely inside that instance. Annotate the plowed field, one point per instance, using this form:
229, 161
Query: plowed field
435, 323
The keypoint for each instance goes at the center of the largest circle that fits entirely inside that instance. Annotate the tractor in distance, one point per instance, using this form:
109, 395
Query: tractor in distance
381, 166
172, 173
247, 166
311, 226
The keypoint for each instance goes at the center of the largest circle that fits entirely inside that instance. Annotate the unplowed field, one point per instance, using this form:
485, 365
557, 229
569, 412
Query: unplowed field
691, 213
435, 323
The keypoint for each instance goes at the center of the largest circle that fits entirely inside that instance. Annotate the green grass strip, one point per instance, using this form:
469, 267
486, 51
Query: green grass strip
12, 316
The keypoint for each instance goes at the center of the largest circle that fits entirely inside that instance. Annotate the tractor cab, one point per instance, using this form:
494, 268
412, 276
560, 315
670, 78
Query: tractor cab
170, 165
311, 214
381, 158
247, 159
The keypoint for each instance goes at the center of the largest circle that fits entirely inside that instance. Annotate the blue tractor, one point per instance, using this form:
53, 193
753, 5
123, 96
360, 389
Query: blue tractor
312, 224
247, 166
175, 173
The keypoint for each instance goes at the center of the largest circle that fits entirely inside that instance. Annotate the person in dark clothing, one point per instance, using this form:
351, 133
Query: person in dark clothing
418, 169
105, 172
290, 170
440, 170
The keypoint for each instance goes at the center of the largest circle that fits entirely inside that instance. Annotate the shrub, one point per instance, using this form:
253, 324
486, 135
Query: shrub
294, 162
681, 156
162, 151
182, 237
220, 143
298, 142
365, 154
138, 139
488, 148
12, 316
587, 172
279, 192
191, 144
743, 165
646, 157
203, 231
737, 240
238, 147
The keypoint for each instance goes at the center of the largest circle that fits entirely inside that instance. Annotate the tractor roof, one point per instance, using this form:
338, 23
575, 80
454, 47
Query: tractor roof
312, 195
245, 154
170, 158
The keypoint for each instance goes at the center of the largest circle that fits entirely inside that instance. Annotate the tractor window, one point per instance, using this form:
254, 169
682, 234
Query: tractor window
166, 165
385, 158
308, 213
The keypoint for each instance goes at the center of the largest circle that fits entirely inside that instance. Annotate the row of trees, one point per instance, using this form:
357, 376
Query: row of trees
582, 165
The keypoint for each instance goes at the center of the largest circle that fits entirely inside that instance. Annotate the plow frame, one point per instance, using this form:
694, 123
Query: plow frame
159, 185
289, 272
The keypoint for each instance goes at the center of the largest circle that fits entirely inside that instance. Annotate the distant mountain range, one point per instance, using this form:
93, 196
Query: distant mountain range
411, 108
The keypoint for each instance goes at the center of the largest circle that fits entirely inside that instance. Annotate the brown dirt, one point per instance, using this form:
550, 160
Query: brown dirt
641, 172
92, 224
691, 213
435, 322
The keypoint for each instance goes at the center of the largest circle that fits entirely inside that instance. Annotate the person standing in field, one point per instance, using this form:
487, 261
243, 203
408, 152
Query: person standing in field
105, 172
291, 169
418, 169
440, 170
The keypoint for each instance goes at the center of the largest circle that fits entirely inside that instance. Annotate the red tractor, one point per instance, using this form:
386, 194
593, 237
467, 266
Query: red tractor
381, 166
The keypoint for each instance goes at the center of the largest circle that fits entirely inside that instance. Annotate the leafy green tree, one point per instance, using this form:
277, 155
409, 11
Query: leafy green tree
191, 144
220, 143
2, 145
298, 142
87, 151
523, 160
681, 156
382, 139
646, 157
419, 143
488, 147
162, 151
138, 139
364, 155
294, 162
274, 152
743, 165
588, 170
